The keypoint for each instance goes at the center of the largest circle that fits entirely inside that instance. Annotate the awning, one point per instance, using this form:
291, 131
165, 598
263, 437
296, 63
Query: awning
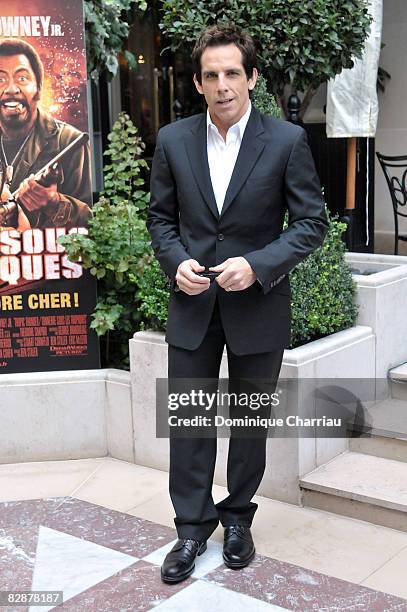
352, 106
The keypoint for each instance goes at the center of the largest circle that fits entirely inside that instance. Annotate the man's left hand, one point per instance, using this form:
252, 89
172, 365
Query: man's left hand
34, 196
236, 274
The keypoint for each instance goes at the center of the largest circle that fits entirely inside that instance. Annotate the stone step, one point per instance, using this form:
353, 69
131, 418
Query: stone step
398, 382
383, 432
380, 446
360, 486
399, 373
383, 418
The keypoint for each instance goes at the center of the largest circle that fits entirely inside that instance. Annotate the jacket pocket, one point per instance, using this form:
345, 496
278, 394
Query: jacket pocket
263, 182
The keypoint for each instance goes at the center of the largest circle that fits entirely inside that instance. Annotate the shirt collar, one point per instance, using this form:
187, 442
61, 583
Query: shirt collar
240, 125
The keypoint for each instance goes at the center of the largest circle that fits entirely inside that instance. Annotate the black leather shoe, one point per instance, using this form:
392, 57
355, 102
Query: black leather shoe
238, 546
180, 561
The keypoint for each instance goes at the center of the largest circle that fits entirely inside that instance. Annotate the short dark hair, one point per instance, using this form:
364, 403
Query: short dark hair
225, 34
16, 46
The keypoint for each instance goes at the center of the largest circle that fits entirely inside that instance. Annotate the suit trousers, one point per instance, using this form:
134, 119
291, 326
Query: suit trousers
192, 459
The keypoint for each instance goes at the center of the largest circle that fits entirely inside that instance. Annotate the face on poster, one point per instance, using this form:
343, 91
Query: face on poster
45, 188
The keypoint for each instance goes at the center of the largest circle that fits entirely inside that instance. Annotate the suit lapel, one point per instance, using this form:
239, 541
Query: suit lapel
195, 143
250, 150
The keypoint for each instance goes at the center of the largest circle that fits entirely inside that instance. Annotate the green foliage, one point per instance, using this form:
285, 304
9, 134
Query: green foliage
117, 239
301, 43
152, 293
323, 290
263, 100
106, 33
121, 177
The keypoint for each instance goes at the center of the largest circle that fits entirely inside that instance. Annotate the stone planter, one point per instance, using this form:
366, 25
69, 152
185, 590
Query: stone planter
382, 295
346, 354
66, 415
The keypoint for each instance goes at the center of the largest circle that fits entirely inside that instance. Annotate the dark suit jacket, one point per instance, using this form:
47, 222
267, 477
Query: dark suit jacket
274, 172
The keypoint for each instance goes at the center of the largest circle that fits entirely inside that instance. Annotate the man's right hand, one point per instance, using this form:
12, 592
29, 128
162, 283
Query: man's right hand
188, 279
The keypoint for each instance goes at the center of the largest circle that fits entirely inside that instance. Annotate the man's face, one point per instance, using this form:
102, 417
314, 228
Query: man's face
225, 84
18, 91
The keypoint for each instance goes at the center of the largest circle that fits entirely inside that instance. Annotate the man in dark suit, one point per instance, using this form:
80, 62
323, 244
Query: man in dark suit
220, 186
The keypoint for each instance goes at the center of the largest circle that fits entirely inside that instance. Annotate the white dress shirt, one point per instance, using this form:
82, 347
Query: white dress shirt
222, 155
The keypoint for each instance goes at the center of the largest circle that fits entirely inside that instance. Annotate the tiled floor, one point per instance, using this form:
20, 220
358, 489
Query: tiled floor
98, 529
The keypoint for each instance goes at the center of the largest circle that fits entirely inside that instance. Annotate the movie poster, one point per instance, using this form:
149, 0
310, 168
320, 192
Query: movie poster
45, 186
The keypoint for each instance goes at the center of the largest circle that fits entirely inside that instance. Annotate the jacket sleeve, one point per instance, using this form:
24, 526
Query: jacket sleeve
307, 220
163, 214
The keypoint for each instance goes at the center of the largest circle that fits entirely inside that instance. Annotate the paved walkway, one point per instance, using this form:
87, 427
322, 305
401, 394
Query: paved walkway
98, 530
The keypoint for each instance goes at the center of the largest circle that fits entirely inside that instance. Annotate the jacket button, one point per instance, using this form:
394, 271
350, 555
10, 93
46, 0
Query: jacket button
221, 236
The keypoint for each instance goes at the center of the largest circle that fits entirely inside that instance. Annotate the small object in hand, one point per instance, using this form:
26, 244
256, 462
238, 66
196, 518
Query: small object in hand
210, 275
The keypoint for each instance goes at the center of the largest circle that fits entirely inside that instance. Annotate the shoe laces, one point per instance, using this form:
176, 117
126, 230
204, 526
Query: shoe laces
191, 544
237, 529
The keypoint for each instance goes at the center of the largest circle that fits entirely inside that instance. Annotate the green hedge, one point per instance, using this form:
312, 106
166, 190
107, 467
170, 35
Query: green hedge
323, 290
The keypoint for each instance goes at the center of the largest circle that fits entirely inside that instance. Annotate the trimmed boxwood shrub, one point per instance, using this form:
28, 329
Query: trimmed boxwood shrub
152, 294
263, 100
323, 291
